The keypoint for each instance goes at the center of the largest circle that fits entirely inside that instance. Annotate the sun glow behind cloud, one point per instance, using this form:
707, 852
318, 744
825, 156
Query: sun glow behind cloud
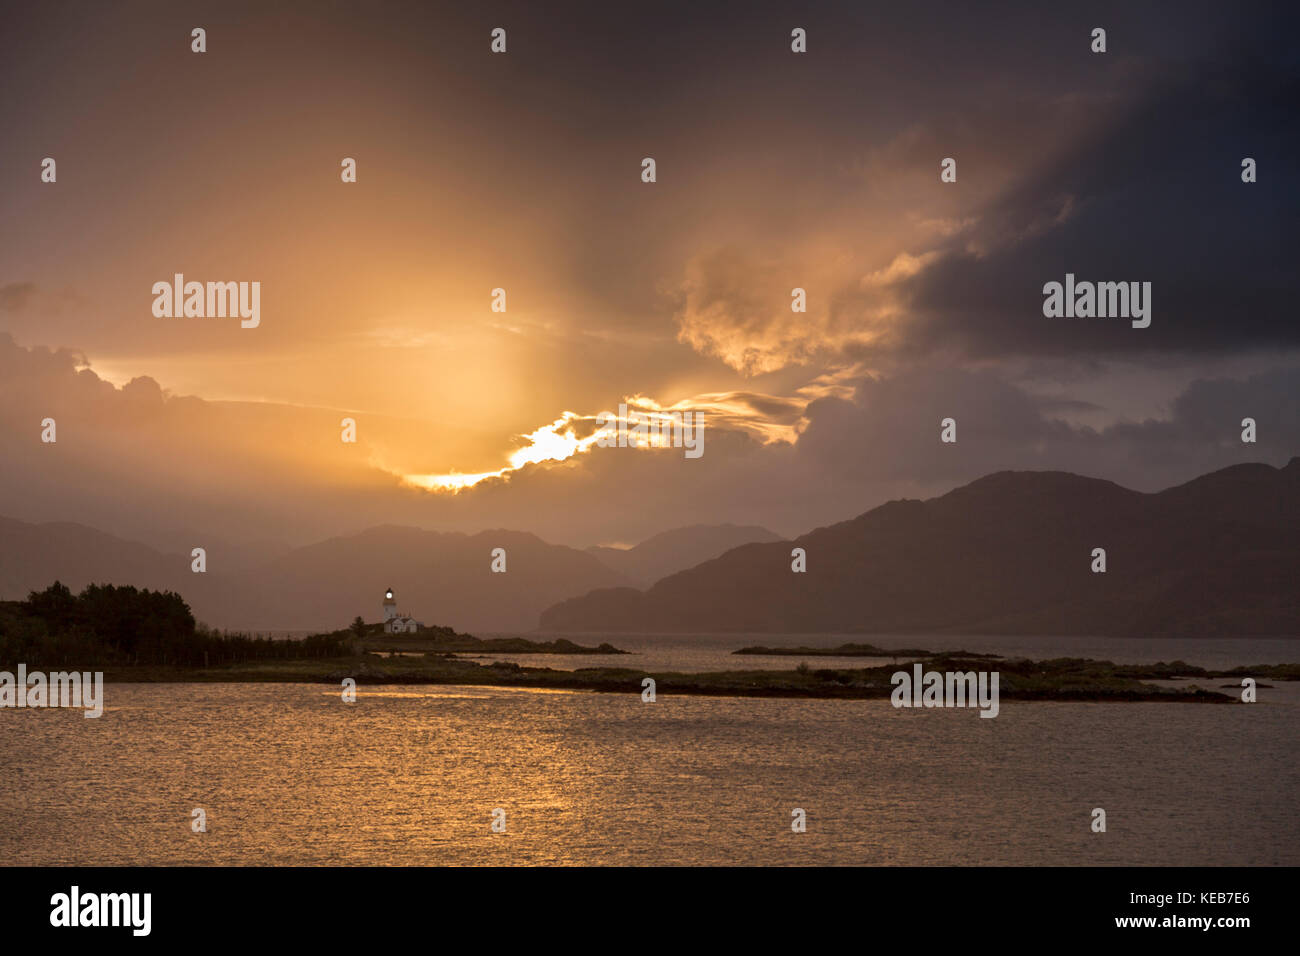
557, 441
768, 419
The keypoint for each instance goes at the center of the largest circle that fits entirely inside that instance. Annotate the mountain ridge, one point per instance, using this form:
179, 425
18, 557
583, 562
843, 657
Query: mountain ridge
1011, 553
677, 549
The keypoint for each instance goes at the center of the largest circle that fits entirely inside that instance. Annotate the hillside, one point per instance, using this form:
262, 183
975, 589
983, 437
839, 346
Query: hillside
1009, 553
677, 550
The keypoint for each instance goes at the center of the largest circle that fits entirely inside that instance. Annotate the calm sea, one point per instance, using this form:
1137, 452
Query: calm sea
289, 774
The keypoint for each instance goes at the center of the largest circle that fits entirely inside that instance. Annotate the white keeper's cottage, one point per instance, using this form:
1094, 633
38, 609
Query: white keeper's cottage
395, 623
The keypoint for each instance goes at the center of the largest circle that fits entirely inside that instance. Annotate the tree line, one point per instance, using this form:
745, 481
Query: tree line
106, 624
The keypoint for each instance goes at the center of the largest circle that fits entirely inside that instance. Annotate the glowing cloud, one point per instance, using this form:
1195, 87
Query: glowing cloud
767, 418
554, 442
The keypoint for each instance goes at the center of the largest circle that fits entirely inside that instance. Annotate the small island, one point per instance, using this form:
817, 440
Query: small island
400, 633
371, 639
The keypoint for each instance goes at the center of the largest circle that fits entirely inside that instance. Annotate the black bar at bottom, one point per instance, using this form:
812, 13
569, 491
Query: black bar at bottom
650, 907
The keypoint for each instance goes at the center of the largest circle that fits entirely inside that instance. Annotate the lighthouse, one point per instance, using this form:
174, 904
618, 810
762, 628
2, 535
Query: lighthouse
395, 623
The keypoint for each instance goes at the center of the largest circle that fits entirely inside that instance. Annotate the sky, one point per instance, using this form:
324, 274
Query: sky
522, 171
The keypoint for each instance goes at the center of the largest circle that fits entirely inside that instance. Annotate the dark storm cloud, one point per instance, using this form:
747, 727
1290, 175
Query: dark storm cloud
1158, 198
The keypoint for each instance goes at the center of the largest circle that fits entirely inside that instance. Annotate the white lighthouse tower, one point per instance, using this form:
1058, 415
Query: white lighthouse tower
390, 606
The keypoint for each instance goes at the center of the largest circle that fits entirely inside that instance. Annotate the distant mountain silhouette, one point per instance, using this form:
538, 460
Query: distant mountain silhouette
33, 556
439, 578
677, 550
1009, 553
